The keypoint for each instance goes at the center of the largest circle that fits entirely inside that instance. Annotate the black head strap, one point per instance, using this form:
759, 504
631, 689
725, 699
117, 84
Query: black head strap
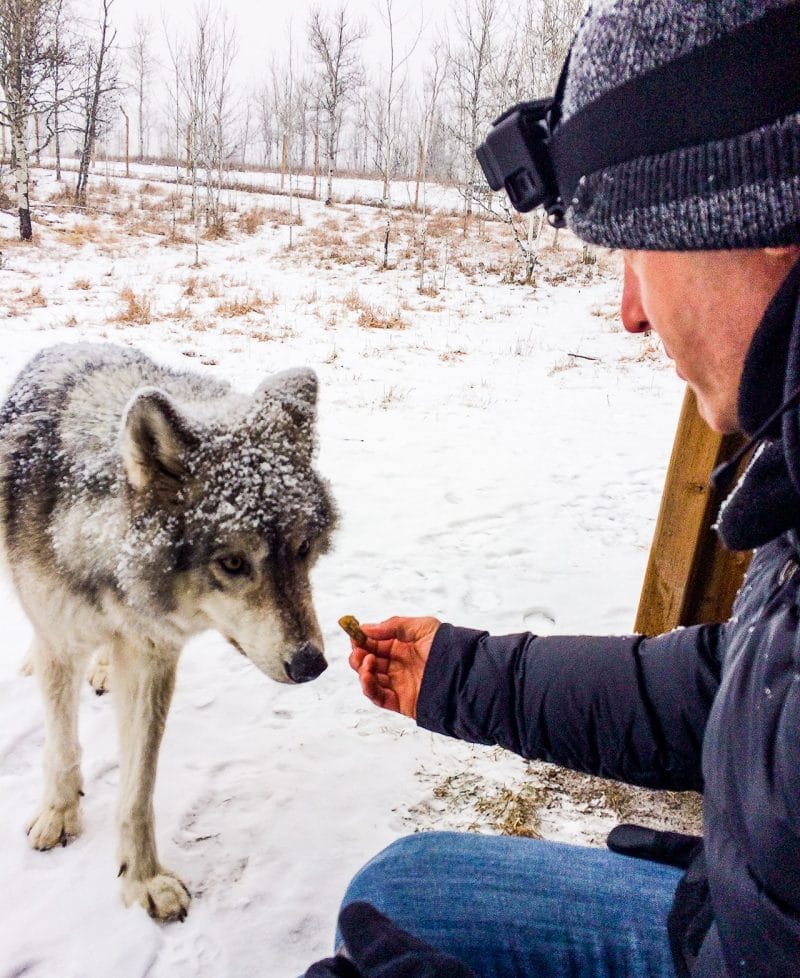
740, 82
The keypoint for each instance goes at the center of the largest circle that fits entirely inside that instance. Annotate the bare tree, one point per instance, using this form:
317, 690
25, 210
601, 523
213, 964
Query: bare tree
471, 54
26, 63
102, 85
175, 125
435, 76
142, 65
209, 96
334, 42
559, 21
389, 100
203, 114
63, 72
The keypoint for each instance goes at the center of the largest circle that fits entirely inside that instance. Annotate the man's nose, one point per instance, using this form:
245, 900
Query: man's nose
631, 310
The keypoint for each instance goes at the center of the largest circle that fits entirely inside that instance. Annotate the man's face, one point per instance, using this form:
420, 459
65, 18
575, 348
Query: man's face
705, 306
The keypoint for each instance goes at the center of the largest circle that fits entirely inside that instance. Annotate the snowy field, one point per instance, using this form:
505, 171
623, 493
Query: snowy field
497, 452
345, 189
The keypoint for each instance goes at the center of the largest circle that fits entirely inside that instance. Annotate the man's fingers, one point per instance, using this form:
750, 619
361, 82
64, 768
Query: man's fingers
372, 689
377, 687
357, 656
389, 629
406, 631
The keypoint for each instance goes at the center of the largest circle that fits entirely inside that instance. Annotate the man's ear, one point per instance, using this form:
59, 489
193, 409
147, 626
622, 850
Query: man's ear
154, 440
295, 390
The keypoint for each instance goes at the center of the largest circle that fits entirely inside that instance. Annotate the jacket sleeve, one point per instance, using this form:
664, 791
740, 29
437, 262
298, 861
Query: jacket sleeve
629, 708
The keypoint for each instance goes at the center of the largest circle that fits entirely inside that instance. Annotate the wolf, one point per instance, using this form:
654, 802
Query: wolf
140, 505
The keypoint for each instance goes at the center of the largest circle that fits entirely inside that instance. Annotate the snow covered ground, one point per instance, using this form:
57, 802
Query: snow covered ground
497, 455
345, 189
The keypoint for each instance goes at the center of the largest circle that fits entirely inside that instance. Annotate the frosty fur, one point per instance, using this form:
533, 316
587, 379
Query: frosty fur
140, 506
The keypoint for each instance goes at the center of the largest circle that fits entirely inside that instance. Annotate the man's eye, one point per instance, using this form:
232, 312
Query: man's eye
304, 549
234, 565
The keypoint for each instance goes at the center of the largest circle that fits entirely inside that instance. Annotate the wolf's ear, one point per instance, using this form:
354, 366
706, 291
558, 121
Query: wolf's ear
296, 390
154, 440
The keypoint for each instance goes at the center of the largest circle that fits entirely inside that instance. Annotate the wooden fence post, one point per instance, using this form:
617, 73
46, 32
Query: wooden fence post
690, 577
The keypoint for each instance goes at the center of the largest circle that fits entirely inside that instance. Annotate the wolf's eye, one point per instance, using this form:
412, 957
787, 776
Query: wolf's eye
234, 565
304, 549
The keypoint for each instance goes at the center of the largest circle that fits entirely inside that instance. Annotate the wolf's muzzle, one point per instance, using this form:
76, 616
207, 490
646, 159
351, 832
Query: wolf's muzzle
306, 664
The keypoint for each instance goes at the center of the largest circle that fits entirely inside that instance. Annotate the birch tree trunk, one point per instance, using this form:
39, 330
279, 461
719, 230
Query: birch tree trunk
56, 122
93, 103
331, 154
22, 175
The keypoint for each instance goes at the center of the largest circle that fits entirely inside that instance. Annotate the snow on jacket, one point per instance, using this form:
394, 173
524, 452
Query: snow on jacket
713, 708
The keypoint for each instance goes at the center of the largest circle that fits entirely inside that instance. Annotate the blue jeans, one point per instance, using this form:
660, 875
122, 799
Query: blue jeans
522, 908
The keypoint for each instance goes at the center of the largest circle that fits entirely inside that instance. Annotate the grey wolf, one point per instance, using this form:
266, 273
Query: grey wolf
139, 506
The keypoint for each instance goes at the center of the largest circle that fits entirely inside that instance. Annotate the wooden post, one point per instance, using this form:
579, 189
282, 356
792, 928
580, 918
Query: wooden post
420, 160
690, 578
127, 142
316, 164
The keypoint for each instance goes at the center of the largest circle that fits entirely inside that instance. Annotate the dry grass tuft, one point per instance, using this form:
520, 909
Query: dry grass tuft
369, 316
514, 812
33, 300
353, 301
63, 194
195, 287
153, 224
82, 284
439, 225
372, 318
450, 356
83, 233
181, 312
253, 220
253, 302
216, 231
136, 310
175, 236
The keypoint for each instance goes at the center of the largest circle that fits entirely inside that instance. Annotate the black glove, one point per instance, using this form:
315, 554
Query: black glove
673, 848
337, 967
374, 947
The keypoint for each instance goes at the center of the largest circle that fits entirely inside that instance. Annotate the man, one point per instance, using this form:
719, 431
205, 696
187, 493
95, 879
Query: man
675, 136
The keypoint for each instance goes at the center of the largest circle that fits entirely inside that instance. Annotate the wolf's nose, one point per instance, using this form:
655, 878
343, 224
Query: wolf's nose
306, 664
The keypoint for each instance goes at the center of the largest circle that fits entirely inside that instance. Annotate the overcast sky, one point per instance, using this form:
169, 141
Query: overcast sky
263, 27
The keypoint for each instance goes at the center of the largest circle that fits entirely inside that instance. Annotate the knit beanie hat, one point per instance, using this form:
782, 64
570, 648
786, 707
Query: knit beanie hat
737, 192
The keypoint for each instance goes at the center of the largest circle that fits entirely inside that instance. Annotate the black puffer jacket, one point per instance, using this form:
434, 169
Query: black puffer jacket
714, 708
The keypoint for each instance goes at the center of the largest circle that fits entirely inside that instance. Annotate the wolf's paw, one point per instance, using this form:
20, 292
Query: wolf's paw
99, 674
26, 669
54, 826
164, 896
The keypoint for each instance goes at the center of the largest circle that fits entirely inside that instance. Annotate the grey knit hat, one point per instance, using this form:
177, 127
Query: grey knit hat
739, 192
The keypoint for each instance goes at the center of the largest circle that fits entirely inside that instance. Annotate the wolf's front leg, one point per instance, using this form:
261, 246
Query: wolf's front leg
58, 818
144, 678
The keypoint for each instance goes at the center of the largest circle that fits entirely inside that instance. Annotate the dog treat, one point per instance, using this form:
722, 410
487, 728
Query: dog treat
350, 624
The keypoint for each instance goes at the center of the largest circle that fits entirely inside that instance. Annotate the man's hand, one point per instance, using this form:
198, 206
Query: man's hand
391, 664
